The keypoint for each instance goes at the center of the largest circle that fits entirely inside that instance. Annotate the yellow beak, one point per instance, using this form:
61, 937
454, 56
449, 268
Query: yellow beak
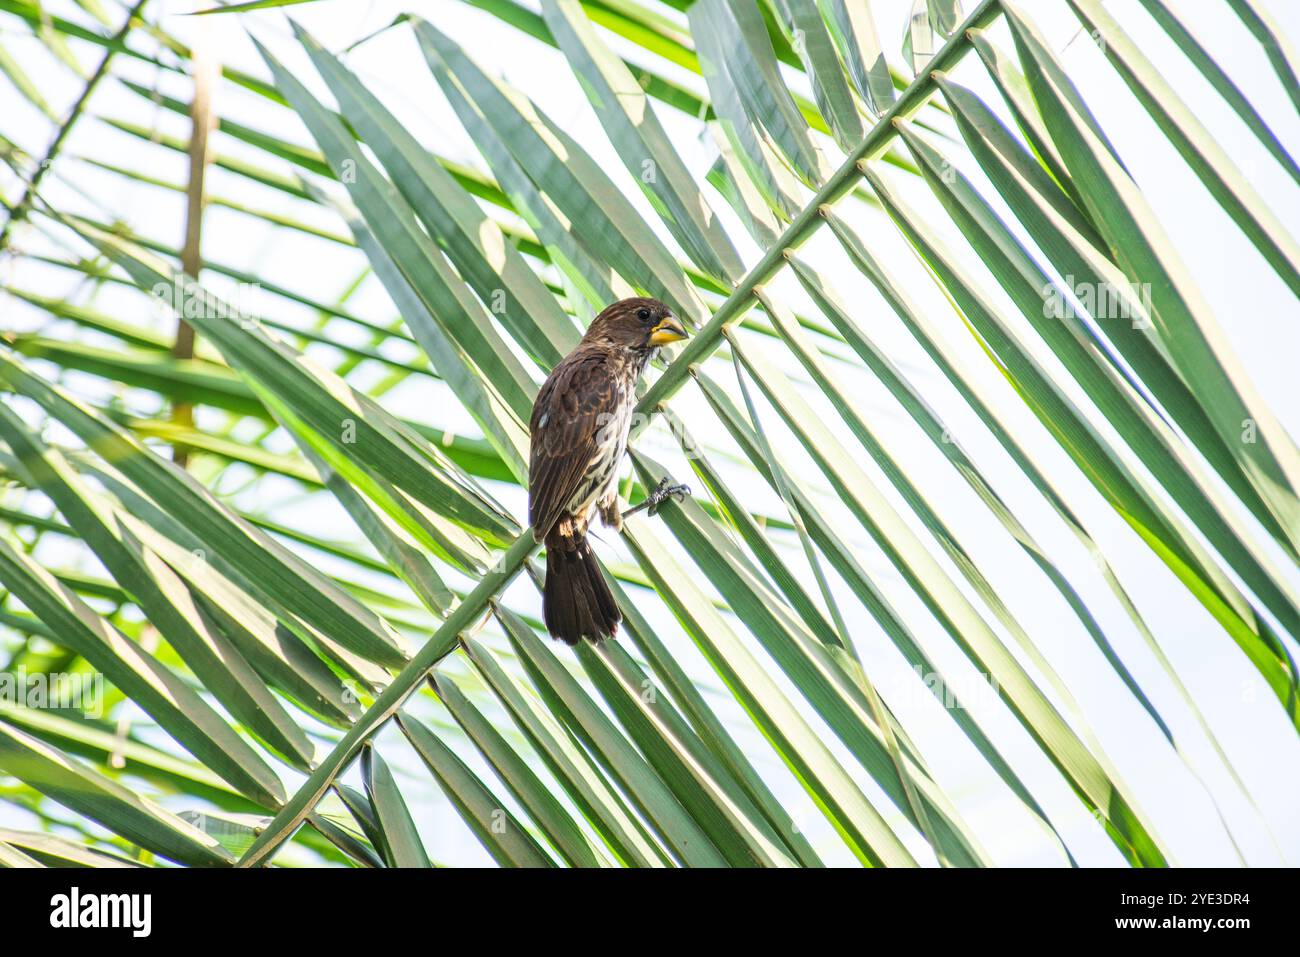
668, 330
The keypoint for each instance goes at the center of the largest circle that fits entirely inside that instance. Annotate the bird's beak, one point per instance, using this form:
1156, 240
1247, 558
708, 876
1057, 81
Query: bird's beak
667, 330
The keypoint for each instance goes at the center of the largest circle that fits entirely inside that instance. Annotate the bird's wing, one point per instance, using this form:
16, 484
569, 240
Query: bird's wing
574, 404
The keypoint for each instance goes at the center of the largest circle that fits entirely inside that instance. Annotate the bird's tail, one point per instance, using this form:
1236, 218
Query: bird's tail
576, 600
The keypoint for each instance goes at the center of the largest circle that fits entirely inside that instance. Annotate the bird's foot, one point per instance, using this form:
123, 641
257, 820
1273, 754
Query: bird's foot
665, 491
661, 493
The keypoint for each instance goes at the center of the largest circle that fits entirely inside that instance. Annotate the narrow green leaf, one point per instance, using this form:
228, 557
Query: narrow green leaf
54, 851
172, 703
750, 141
402, 556
946, 602
25, 86
346, 840
709, 729
164, 599
1011, 83
1128, 491
502, 427
813, 43
392, 222
276, 570
183, 380
401, 840
390, 701
1182, 34
642, 142
1123, 315
566, 173
99, 742
846, 562
863, 830
725, 813
674, 825
728, 177
826, 679
496, 828
1275, 43
135, 818
11, 857
333, 408
582, 780
1074, 346
855, 32
1197, 145
918, 38
1196, 344
513, 770
474, 243
363, 812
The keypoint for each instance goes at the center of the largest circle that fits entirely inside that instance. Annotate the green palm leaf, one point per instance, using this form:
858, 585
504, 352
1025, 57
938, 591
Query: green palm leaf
342, 548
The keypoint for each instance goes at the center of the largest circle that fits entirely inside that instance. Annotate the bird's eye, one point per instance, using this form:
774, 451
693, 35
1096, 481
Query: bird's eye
643, 314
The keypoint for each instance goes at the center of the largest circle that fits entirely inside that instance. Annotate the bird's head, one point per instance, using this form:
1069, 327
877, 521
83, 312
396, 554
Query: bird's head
639, 325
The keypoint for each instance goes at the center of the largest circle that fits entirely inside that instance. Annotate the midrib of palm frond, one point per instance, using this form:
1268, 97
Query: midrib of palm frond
703, 343
810, 217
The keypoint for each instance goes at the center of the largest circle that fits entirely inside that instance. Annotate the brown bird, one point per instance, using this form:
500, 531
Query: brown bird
579, 432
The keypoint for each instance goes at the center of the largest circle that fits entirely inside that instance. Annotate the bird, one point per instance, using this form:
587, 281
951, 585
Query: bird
579, 430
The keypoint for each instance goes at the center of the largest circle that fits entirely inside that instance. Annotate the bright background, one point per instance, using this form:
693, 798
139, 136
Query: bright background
1258, 313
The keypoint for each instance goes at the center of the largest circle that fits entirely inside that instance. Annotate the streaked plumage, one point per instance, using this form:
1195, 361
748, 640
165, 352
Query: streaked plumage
579, 429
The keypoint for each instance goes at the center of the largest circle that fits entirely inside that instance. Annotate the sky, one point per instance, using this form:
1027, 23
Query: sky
1255, 310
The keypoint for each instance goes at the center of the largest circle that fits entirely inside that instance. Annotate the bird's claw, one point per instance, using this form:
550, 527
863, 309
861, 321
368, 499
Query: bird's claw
664, 491
660, 494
